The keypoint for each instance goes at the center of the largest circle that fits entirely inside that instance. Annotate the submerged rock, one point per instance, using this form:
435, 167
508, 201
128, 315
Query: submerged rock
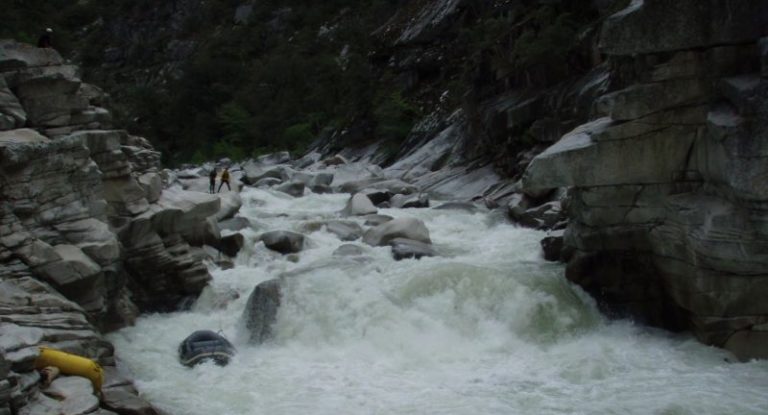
410, 201
552, 246
349, 250
403, 248
285, 242
409, 228
346, 231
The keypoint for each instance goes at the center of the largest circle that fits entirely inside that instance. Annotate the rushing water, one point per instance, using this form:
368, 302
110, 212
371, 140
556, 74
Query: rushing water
487, 328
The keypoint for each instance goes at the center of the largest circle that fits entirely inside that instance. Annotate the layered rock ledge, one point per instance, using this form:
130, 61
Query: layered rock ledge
668, 195
89, 234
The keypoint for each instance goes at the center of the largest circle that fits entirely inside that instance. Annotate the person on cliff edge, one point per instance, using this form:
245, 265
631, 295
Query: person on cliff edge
44, 41
212, 177
225, 179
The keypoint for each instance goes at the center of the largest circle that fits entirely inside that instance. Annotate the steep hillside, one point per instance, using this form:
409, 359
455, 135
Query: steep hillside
229, 78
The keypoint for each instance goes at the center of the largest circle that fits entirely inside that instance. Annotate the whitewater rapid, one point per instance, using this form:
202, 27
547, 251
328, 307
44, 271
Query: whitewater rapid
488, 327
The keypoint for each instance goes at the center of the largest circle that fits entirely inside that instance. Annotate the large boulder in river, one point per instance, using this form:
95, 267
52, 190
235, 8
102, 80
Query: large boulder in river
359, 205
189, 214
409, 228
410, 201
261, 311
230, 245
230, 205
285, 242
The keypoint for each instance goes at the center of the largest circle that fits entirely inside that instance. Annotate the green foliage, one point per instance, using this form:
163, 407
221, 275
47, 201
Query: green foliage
547, 41
235, 121
198, 157
226, 148
281, 80
394, 118
297, 137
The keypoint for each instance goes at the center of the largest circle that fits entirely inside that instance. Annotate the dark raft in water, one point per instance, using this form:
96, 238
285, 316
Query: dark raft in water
205, 345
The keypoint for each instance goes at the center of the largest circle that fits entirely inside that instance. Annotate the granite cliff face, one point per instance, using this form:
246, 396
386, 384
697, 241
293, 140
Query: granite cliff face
668, 196
88, 235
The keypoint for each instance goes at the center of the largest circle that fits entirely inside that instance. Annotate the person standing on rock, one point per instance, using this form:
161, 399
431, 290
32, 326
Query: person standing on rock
212, 177
225, 179
45, 39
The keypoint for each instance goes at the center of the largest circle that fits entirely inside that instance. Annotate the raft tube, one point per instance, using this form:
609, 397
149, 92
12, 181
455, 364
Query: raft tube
204, 345
71, 365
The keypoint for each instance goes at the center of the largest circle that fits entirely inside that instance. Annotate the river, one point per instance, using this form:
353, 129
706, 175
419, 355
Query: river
488, 327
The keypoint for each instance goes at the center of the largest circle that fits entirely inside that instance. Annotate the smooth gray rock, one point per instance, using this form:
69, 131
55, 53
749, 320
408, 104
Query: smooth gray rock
295, 189
94, 238
321, 179
376, 220
346, 231
230, 205
235, 224
268, 182
232, 244
69, 395
359, 205
410, 201
272, 159
285, 242
16, 55
578, 160
124, 401
409, 228
14, 337
396, 186
261, 310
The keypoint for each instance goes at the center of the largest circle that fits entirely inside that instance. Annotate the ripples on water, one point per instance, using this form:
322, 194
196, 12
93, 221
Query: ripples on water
488, 328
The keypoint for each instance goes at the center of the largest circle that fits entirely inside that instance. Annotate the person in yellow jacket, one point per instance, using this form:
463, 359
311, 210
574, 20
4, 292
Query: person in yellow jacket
224, 179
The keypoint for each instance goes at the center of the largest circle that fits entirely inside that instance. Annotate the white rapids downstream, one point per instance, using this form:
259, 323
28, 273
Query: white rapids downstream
488, 327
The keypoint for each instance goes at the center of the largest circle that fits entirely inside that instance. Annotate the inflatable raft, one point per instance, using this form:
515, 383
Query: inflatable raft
71, 365
205, 345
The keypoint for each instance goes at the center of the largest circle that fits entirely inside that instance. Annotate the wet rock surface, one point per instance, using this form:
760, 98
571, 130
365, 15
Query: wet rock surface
90, 233
667, 201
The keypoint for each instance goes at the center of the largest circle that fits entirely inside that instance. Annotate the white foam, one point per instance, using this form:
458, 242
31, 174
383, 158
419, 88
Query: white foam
489, 328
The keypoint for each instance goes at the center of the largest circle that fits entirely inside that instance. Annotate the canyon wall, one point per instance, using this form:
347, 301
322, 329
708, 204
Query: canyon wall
89, 237
669, 180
